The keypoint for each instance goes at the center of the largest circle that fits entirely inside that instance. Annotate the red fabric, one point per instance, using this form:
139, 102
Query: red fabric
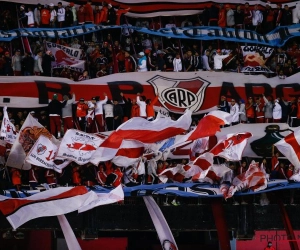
222, 18
81, 109
250, 111
45, 16
33, 177
103, 15
119, 13
68, 123
16, 177
150, 107
76, 177
99, 123
119, 175
270, 16
88, 13
80, 16
55, 124
97, 17
275, 163
50, 176
135, 111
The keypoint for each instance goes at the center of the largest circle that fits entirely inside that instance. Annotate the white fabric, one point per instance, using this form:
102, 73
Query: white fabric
218, 61
30, 17
99, 106
142, 105
177, 64
277, 111
61, 14
234, 112
257, 17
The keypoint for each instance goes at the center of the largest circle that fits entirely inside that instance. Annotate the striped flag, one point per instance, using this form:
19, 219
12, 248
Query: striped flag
141, 130
231, 146
289, 146
254, 178
8, 130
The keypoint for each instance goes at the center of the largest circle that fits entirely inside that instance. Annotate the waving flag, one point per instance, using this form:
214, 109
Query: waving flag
215, 174
129, 153
43, 154
209, 125
78, 146
254, 178
52, 202
289, 146
140, 129
30, 131
113, 196
204, 161
8, 130
231, 146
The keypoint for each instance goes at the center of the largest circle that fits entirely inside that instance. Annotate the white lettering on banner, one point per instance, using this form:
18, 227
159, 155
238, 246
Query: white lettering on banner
66, 57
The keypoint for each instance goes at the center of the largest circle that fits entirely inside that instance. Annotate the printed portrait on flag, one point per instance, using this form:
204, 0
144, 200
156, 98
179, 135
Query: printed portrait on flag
255, 58
66, 57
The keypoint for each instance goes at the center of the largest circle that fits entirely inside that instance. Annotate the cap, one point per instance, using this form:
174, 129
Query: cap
218, 50
71, 4
22, 7
81, 99
94, 98
109, 5
227, 6
32, 112
141, 54
54, 96
51, 5
147, 51
6, 53
223, 96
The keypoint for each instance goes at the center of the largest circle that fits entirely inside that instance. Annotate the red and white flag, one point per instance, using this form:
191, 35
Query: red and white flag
215, 174
289, 146
254, 178
140, 129
129, 153
209, 125
30, 131
231, 146
43, 154
53, 202
8, 130
78, 146
113, 196
204, 161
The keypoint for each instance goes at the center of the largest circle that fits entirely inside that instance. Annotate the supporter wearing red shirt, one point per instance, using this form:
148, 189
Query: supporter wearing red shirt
274, 164
222, 17
16, 178
104, 13
45, 18
150, 108
80, 15
250, 111
76, 176
120, 12
88, 12
97, 15
260, 112
290, 171
81, 113
135, 109
50, 177
101, 175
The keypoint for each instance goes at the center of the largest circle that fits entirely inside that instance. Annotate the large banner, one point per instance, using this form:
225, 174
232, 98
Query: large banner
255, 58
66, 57
198, 91
277, 37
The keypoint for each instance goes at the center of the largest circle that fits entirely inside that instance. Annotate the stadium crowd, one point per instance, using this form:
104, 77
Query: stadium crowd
124, 50
105, 54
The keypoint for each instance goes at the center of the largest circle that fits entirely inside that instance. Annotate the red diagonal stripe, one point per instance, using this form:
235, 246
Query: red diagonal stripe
291, 140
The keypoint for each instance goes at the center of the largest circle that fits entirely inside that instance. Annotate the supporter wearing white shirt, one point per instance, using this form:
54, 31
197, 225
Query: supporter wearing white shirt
30, 18
218, 58
177, 63
99, 113
90, 115
109, 115
257, 16
60, 15
142, 62
53, 15
234, 112
141, 101
277, 111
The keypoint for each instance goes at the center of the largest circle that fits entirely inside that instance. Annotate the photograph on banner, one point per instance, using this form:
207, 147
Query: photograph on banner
255, 58
66, 57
